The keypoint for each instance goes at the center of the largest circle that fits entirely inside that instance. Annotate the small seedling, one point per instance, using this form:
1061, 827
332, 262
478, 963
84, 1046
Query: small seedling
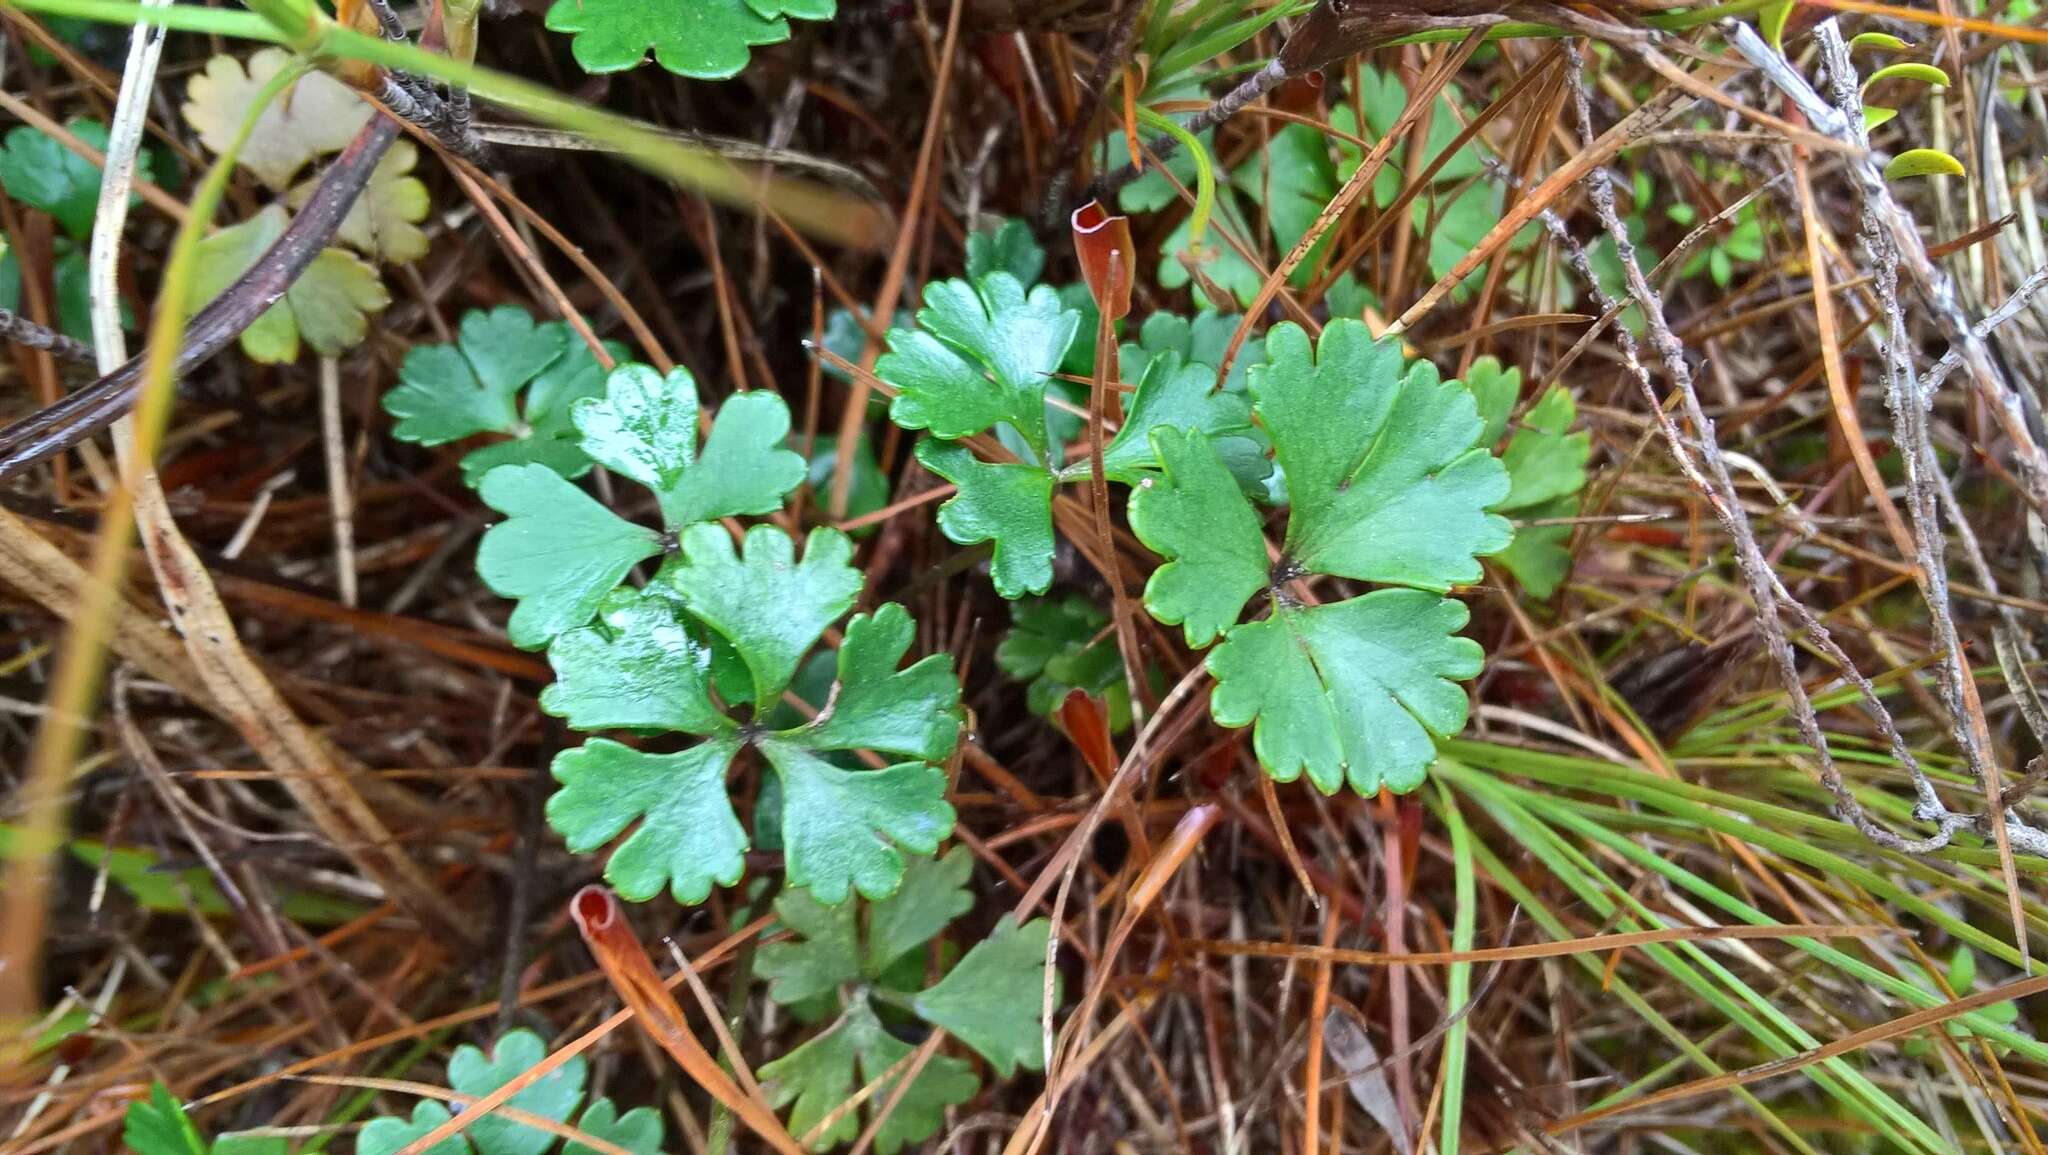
981, 359
449, 392
865, 970
1062, 644
555, 1097
717, 629
1546, 466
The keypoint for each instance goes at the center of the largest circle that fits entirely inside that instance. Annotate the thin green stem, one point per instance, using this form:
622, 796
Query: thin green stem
1205, 170
1458, 982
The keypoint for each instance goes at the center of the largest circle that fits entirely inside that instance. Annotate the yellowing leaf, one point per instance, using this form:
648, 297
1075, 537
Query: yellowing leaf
1922, 162
1772, 20
1878, 42
332, 301
1909, 70
316, 115
328, 306
383, 224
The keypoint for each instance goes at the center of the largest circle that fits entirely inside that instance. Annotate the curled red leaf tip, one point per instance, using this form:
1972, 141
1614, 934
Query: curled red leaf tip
1102, 241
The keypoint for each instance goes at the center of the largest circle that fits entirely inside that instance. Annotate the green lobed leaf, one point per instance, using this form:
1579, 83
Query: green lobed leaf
845, 337
826, 955
1384, 97
546, 435
1171, 394
637, 668
158, 1125
875, 706
1494, 391
42, 174
817, 1076
933, 894
1009, 504
688, 838
770, 606
72, 282
558, 552
638, 1130
981, 355
1546, 469
703, 39
1386, 486
1292, 179
245, 1144
992, 1000
332, 301
555, 1096
841, 829
1201, 340
1007, 248
1062, 644
448, 392
389, 1134
1538, 557
820, 1075
1544, 460
1386, 483
799, 9
1349, 297
869, 490
1350, 691
1218, 260
1152, 191
1454, 227
1194, 515
645, 428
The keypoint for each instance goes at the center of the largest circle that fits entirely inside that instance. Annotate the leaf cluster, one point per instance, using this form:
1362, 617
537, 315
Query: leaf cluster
706, 647
976, 373
870, 972
475, 1073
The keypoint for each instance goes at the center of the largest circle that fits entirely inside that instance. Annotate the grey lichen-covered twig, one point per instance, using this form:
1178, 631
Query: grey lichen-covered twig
1910, 407
1928, 492
2016, 414
16, 329
1706, 469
